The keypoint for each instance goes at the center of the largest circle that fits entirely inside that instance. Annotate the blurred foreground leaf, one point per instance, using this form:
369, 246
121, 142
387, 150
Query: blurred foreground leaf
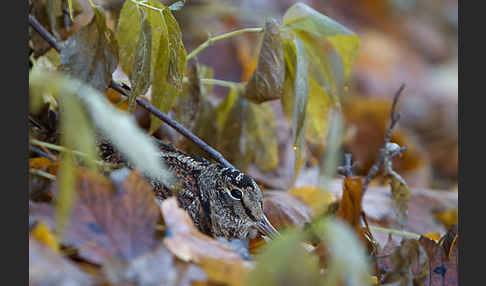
284, 261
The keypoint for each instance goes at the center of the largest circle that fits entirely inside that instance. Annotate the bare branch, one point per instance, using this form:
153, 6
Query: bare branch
394, 117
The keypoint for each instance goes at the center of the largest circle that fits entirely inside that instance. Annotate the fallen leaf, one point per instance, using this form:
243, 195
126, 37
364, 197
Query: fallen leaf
47, 267
185, 241
220, 262
317, 198
407, 264
112, 221
284, 210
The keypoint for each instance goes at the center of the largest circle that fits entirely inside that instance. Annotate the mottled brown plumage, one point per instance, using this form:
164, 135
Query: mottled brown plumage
221, 201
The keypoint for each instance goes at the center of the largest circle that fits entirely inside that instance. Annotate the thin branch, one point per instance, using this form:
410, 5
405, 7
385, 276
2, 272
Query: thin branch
394, 117
176, 125
44, 33
211, 40
143, 103
63, 149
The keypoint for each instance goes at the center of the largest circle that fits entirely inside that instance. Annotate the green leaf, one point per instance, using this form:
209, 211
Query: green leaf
91, 54
129, 28
261, 136
301, 96
140, 79
332, 48
267, 81
284, 261
246, 132
169, 68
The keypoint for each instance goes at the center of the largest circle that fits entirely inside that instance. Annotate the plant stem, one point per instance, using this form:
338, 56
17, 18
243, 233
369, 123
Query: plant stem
147, 6
63, 149
228, 84
397, 232
211, 40
42, 174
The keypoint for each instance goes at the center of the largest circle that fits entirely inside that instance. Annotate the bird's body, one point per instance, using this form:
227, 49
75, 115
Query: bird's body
221, 201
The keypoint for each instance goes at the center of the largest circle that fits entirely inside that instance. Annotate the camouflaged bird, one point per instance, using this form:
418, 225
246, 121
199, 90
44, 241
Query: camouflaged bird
221, 201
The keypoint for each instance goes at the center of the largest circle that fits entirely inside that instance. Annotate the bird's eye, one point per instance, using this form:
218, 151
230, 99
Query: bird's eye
236, 194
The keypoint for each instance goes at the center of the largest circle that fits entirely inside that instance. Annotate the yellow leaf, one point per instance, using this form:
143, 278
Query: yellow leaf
42, 233
317, 198
433, 236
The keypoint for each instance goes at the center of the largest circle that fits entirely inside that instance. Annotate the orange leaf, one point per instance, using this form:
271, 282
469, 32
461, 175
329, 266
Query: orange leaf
350, 207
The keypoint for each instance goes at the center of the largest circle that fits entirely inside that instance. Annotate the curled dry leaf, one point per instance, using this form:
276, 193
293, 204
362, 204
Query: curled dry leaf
220, 262
284, 210
47, 267
268, 79
401, 197
91, 54
112, 221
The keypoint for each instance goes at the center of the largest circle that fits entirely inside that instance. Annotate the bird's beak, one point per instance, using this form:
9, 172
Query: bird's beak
266, 228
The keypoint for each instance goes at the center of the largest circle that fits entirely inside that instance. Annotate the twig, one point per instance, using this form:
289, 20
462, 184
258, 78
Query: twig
63, 149
211, 40
44, 33
140, 101
347, 169
394, 117
397, 232
176, 125
42, 174
228, 84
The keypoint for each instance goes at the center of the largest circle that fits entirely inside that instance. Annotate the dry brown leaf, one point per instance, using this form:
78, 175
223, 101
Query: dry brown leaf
112, 221
407, 264
185, 241
268, 79
284, 210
